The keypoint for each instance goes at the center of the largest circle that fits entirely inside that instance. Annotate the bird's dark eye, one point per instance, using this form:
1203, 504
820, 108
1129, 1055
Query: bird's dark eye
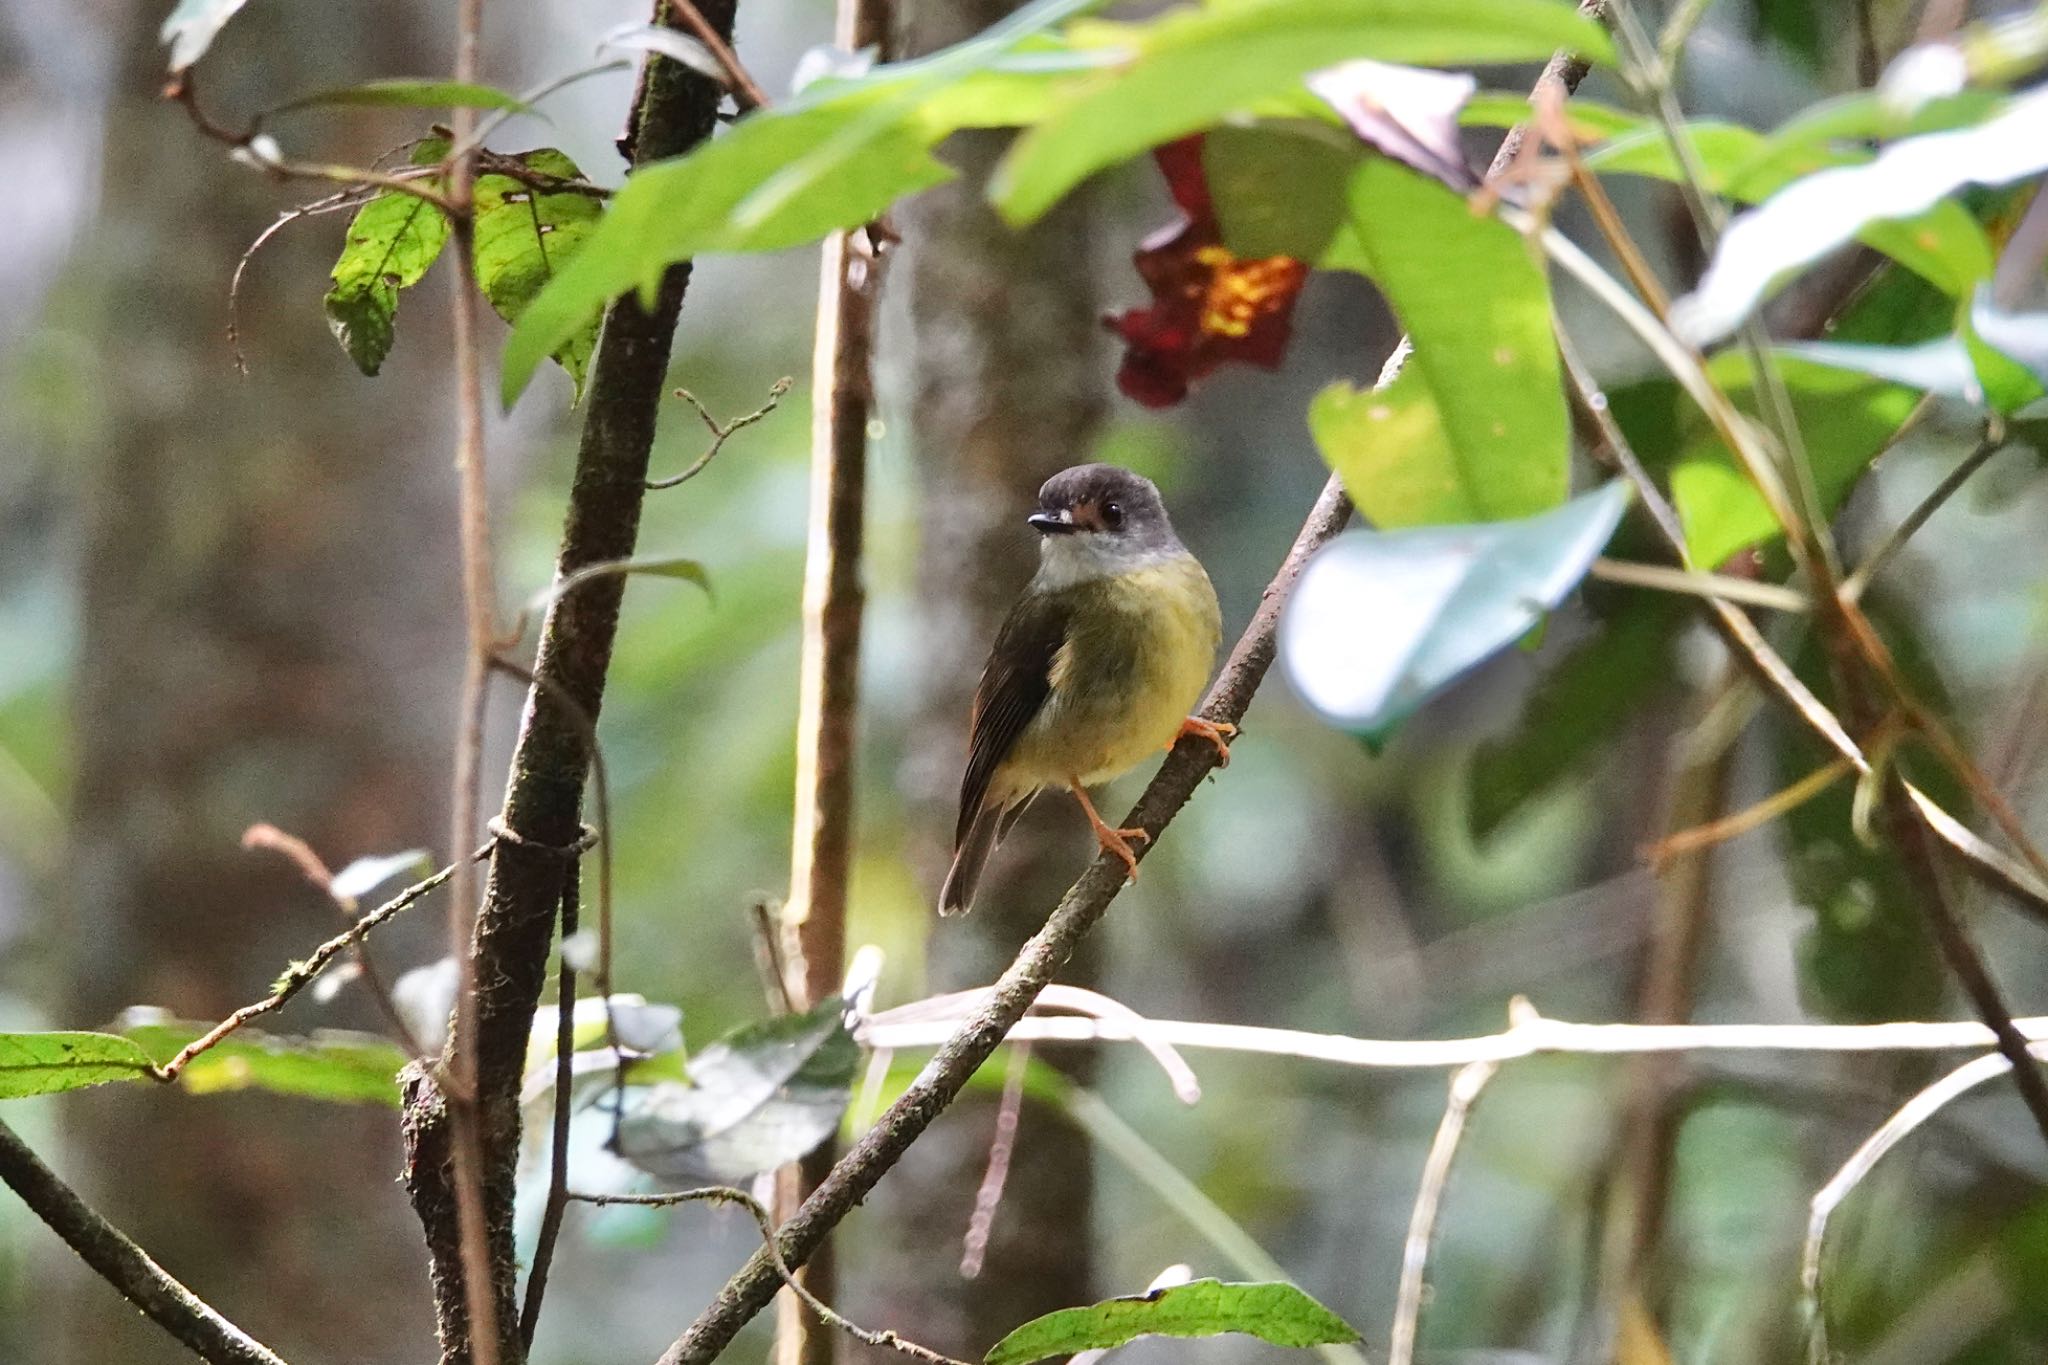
1112, 515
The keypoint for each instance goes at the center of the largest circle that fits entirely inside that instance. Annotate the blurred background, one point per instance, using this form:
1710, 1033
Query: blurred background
228, 598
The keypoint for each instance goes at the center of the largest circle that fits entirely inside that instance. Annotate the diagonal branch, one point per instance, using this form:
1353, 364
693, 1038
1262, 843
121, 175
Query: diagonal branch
124, 1265
1084, 904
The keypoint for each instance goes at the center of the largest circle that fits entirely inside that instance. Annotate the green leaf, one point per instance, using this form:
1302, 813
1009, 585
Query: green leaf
1191, 68
1276, 1313
45, 1063
1382, 620
1475, 428
1279, 189
526, 236
836, 157
763, 1095
331, 1064
855, 162
1577, 708
192, 27
1844, 420
413, 94
392, 241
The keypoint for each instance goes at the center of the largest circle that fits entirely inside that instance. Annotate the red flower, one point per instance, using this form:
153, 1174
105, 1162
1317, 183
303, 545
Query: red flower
1208, 305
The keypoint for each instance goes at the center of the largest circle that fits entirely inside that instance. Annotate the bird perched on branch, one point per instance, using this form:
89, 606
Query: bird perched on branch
1094, 668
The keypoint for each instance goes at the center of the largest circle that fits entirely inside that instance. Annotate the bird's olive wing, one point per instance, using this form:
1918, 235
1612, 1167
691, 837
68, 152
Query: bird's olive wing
1014, 686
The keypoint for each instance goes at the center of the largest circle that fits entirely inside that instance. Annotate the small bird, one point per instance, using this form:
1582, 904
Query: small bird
1094, 668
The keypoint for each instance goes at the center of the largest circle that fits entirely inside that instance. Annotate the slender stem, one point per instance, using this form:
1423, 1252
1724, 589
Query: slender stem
1436, 1173
746, 91
1664, 578
558, 1152
1859, 581
124, 1265
675, 110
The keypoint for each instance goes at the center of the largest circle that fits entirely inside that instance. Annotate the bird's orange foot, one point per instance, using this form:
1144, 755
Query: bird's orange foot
1118, 841
1215, 731
1113, 840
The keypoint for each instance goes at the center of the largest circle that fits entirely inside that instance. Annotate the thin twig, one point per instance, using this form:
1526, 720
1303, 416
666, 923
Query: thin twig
123, 1264
1694, 838
726, 1194
988, 1198
484, 1294
301, 974
333, 203
1436, 1173
720, 433
315, 871
1993, 441
558, 1155
746, 91
1689, 583
1531, 1034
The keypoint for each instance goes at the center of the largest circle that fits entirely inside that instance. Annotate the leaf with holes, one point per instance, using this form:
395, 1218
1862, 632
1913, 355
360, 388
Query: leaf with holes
1272, 1312
45, 1063
761, 1096
392, 241
526, 234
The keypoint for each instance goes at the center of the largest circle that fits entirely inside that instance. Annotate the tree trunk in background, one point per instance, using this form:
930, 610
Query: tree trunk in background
1001, 353
250, 653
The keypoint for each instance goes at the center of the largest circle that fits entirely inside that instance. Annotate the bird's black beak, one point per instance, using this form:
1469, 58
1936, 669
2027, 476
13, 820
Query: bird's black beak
1052, 524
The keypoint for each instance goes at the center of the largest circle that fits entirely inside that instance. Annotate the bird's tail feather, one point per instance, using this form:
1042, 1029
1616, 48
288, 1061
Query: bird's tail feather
956, 897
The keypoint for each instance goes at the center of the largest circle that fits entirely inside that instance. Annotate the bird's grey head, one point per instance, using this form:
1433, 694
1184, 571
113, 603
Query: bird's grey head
1096, 519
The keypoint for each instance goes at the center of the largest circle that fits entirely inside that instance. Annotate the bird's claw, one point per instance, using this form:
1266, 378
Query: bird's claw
1215, 732
1118, 841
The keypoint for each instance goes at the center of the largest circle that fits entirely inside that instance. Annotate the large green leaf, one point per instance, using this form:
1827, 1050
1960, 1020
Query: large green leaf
1475, 428
1382, 620
45, 1063
526, 236
836, 157
392, 241
1191, 68
1844, 420
330, 1064
1277, 1313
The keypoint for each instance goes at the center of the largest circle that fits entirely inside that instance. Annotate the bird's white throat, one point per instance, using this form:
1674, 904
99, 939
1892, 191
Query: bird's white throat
1065, 561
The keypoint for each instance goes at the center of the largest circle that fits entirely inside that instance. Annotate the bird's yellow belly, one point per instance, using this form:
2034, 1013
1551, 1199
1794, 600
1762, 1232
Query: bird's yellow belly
1122, 685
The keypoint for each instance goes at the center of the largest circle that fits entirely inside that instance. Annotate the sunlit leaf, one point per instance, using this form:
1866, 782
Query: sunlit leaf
1279, 190
392, 241
763, 1095
45, 1063
1844, 420
1191, 68
526, 235
192, 27
330, 1064
413, 94
1382, 620
1273, 1312
1822, 211
1475, 428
